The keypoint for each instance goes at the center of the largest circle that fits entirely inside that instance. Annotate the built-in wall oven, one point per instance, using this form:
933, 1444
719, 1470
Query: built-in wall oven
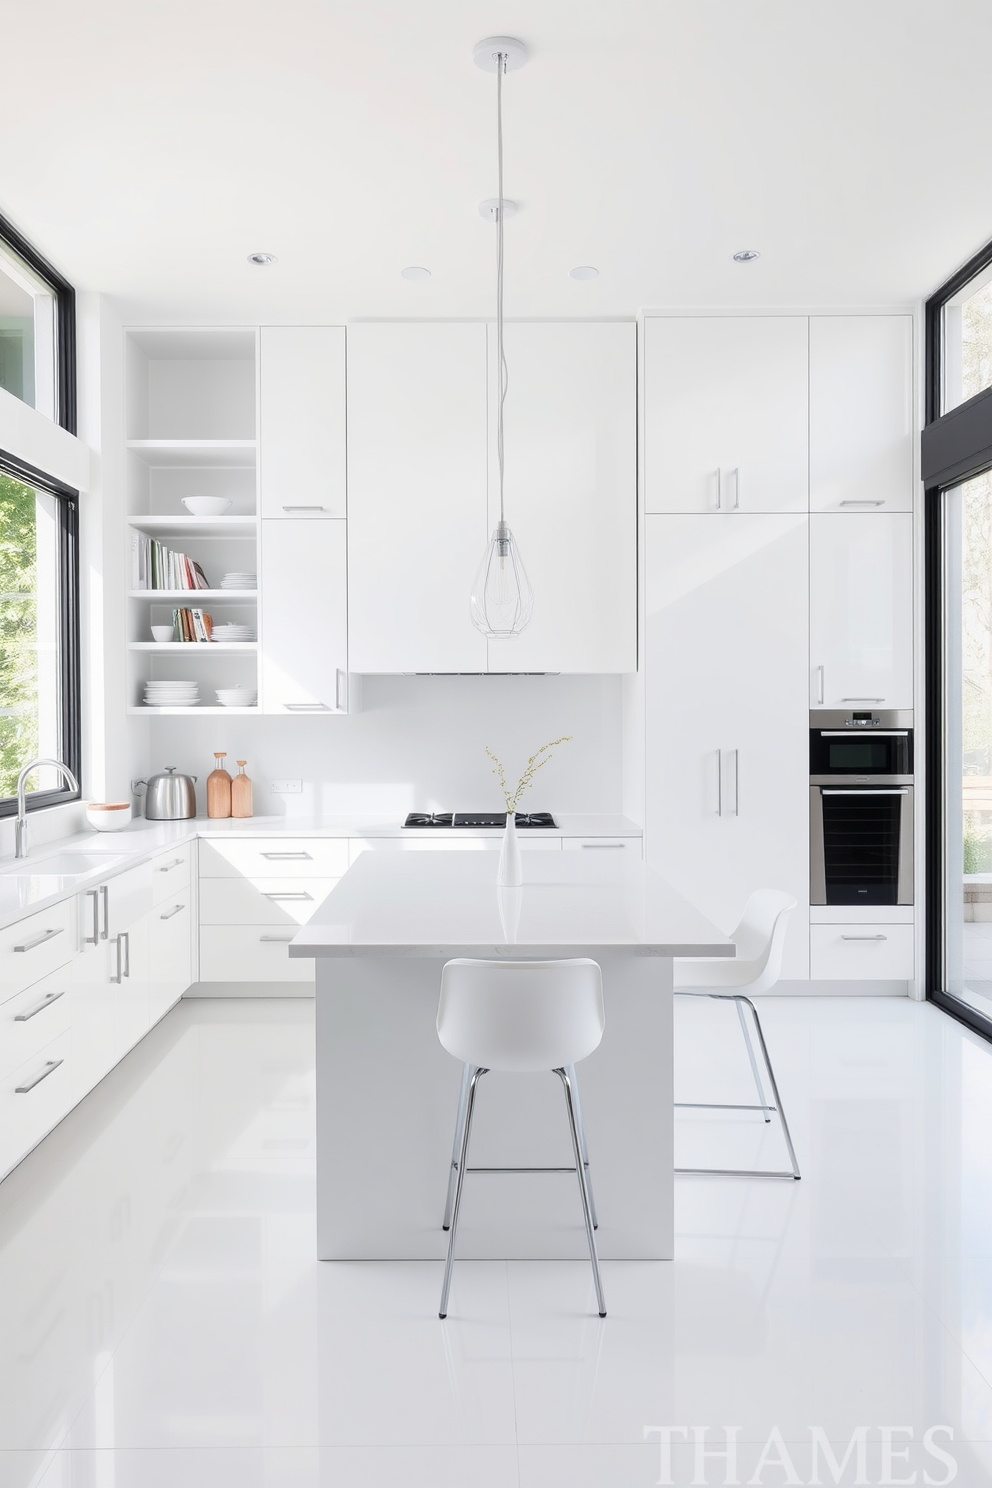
861, 807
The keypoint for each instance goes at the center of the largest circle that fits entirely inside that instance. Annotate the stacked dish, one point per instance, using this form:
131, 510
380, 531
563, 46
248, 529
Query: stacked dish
231, 632
237, 697
172, 694
239, 581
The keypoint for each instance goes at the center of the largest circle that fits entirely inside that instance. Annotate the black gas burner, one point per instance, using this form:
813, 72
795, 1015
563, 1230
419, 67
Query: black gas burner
478, 819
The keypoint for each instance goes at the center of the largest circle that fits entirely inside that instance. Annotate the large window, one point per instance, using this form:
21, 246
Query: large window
37, 330
39, 644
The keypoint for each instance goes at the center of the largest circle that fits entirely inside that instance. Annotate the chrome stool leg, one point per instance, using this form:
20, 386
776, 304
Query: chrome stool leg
754, 1063
583, 1186
583, 1145
774, 1085
473, 1083
456, 1144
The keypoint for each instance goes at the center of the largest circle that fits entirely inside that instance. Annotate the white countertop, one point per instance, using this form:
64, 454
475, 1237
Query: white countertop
24, 891
430, 904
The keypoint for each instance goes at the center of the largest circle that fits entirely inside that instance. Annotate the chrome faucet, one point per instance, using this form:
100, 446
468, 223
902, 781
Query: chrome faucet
21, 827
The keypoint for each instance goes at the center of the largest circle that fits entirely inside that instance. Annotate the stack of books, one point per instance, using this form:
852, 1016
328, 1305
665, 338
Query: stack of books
192, 625
154, 566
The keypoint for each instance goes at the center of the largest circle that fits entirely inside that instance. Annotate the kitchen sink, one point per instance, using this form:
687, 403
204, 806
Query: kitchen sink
63, 865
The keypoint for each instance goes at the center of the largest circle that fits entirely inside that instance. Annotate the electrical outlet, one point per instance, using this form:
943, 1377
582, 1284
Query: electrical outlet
287, 787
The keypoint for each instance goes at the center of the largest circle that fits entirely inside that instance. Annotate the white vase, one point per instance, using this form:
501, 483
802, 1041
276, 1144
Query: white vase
509, 874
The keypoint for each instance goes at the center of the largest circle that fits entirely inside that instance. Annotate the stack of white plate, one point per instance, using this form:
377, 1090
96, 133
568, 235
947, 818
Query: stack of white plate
231, 632
172, 694
237, 697
239, 581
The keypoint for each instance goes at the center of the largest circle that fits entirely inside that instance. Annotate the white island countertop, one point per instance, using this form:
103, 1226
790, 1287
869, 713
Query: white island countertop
430, 904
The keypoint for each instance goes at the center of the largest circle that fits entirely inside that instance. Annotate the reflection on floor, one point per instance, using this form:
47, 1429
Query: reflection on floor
163, 1322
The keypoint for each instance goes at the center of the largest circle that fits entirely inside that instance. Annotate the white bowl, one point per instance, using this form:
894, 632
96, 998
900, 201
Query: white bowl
163, 633
206, 506
108, 816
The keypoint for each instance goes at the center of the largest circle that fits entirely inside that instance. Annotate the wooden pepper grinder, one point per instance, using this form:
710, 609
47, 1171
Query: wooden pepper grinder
241, 792
219, 788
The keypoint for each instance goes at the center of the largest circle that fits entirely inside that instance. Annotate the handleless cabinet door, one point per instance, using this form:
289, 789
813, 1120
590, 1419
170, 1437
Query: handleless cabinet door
302, 422
861, 610
417, 530
861, 413
303, 631
726, 413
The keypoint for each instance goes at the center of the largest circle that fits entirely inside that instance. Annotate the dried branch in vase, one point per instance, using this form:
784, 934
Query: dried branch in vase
536, 762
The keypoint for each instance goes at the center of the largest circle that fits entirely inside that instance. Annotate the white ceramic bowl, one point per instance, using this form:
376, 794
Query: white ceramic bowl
163, 633
108, 816
206, 506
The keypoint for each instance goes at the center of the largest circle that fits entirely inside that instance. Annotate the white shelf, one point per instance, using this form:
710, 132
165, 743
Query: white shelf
195, 526
195, 453
197, 709
208, 647
192, 597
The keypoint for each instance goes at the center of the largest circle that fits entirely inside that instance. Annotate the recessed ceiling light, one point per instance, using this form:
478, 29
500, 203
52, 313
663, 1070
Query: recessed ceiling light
261, 259
746, 255
415, 272
583, 271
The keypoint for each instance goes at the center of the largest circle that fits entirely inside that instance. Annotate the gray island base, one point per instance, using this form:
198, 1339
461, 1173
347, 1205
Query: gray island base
387, 1091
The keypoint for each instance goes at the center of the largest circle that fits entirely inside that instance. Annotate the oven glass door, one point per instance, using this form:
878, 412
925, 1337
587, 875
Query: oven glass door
865, 839
843, 752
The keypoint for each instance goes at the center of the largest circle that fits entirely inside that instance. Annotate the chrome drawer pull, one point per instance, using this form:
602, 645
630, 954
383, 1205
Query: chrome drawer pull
273, 895
304, 508
173, 911
307, 707
276, 939
286, 856
167, 867
94, 939
29, 945
39, 1007
50, 1067
862, 503
862, 700
586, 846
864, 937
105, 896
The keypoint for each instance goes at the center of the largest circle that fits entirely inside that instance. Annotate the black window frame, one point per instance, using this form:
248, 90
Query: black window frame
70, 698
954, 447
65, 322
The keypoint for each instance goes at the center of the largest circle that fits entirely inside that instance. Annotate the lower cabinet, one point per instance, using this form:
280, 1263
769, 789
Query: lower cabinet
170, 952
33, 1098
250, 953
861, 952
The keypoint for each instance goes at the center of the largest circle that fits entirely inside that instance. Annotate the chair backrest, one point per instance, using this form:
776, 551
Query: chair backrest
760, 936
521, 1016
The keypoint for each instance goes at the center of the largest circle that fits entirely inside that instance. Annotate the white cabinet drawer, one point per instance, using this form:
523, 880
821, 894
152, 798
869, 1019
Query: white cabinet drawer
170, 872
35, 946
33, 1098
242, 953
274, 857
34, 1018
629, 845
261, 901
861, 952
129, 897
441, 841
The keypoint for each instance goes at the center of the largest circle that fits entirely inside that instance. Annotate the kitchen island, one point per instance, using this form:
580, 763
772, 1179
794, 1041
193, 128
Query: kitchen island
387, 1091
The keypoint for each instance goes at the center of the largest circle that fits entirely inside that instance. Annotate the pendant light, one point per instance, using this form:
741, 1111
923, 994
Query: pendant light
502, 599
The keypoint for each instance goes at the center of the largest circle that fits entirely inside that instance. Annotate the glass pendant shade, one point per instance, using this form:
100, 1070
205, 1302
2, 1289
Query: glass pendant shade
502, 599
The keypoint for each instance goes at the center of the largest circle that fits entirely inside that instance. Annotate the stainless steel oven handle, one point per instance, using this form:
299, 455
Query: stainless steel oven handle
864, 791
864, 734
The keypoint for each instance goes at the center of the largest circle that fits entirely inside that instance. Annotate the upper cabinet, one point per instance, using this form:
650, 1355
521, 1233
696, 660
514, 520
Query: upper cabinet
424, 494
861, 413
304, 636
302, 467
726, 413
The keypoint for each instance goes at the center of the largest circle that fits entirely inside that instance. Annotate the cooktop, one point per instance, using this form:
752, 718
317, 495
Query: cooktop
477, 819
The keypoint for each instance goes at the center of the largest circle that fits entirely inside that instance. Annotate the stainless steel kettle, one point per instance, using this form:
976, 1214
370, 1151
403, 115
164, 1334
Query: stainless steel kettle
168, 797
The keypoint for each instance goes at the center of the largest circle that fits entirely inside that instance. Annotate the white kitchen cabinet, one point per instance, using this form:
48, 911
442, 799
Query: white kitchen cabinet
35, 946
726, 413
93, 1011
862, 952
170, 951
304, 618
34, 1098
261, 901
251, 953
727, 775
861, 610
417, 530
33, 1018
267, 857
861, 413
571, 493
130, 976
302, 467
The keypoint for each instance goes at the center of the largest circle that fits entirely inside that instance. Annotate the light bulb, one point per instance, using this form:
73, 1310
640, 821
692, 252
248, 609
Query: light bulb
502, 599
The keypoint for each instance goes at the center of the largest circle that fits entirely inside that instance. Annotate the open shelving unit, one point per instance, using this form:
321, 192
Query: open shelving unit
191, 430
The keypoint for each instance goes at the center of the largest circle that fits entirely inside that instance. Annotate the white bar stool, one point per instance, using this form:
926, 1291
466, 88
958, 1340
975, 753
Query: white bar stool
760, 942
520, 1017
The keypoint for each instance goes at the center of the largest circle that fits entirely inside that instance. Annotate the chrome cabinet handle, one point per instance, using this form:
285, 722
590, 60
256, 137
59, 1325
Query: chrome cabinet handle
819, 684
737, 782
276, 939
29, 945
737, 489
168, 867
719, 490
306, 707
39, 1007
338, 690
105, 896
862, 700
864, 937
719, 782
863, 503
95, 937
173, 911
50, 1066
274, 895
123, 944
304, 508
286, 856
588, 846
125, 937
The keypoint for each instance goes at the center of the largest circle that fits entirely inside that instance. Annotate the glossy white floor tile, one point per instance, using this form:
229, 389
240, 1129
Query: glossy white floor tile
163, 1320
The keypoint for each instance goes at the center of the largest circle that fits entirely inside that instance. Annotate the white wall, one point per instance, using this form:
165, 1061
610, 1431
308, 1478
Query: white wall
419, 743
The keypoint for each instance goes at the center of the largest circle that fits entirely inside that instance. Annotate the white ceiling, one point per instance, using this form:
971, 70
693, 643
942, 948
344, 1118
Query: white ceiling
149, 145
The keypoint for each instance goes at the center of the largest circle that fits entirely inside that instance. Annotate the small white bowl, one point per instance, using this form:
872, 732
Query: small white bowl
206, 506
163, 633
108, 816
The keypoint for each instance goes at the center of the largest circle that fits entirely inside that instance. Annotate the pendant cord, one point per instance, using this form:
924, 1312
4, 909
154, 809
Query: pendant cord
500, 354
